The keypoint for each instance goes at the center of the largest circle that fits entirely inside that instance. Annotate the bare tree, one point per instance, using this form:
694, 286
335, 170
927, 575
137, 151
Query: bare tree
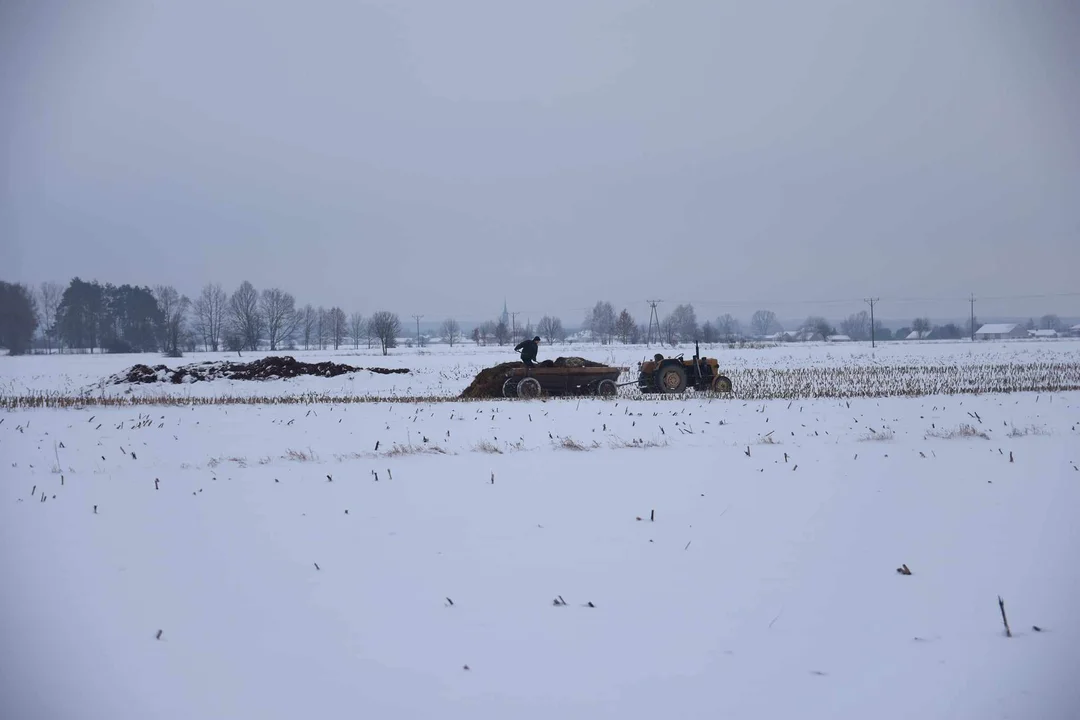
450, 331
338, 325
322, 327
669, 329
279, 317
357, 329
727, 327
386, 326
685, 319
49, 294
921, 325
174, 307
209, 315
1050, 322
369, 334
551, 329
820, 325
244, 316
763, 321
601, 322
309, 321
857, 326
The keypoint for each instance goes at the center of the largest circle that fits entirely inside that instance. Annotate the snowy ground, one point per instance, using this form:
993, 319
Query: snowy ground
301, 561
441, 371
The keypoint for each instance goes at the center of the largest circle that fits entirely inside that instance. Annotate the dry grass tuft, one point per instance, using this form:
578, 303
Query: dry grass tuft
878, 435
620, 444
486, 446
963, 431
569, 443
1015, 432
397, 450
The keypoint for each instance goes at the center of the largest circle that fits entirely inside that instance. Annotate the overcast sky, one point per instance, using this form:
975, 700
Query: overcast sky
433, 157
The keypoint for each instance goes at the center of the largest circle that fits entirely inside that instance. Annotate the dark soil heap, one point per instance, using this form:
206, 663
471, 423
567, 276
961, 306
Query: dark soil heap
268, 368
489, 382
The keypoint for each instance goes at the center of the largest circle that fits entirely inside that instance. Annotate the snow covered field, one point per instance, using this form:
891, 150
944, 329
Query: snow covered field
441, 371
411, 560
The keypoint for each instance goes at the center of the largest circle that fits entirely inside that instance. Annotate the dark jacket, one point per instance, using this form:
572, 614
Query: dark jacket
528, 349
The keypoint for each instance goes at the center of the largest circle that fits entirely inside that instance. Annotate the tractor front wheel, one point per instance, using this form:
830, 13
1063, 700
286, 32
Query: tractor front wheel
721, 384
671, 379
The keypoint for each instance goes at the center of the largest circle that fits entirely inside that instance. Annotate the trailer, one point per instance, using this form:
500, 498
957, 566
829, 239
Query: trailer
532, 382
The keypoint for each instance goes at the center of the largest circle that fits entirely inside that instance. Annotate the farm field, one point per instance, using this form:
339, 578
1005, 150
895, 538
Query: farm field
441, 372
626, 558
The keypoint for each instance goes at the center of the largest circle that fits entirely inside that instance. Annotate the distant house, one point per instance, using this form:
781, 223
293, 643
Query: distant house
1043, 333
919, 335
1000, 331
788, 336
838, 338
1075, 330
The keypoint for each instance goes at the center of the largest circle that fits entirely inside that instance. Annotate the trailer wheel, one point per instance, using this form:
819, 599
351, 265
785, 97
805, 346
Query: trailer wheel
510, 387
721, 384
607, 388
671, 379
528, 388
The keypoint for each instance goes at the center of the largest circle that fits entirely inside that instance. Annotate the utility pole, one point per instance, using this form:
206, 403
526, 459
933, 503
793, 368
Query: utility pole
972, 317
652, 316
418, 329
513, 324
873, 339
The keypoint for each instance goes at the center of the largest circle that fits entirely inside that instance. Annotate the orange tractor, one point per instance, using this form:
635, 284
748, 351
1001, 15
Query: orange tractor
674, 375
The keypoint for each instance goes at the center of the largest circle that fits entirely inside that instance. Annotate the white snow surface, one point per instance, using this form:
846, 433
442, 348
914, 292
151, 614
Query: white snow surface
296, 570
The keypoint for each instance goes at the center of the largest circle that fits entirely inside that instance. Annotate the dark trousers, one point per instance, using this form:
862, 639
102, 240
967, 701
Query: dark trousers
529, 362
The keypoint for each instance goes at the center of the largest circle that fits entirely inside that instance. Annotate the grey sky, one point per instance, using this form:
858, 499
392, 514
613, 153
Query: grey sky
432, 157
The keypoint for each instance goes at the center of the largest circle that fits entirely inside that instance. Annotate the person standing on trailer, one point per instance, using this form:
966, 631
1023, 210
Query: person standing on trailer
528, 350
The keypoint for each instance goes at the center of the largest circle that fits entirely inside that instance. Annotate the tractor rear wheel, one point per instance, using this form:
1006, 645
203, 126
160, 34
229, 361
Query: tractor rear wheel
528, 388
671, 379
721, 384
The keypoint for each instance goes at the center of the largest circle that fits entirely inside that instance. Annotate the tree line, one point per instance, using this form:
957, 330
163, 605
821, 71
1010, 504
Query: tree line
91, 317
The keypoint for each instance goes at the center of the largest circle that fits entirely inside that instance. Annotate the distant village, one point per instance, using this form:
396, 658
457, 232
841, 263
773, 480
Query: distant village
602, 325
